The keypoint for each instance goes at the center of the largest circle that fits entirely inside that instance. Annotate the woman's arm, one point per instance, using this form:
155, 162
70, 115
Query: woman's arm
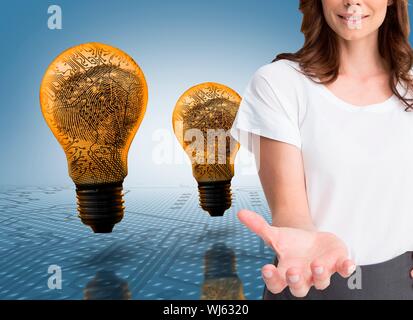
306, 256
281, 172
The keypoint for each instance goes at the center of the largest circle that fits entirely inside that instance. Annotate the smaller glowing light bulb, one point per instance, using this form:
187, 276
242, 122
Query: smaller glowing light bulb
201, 120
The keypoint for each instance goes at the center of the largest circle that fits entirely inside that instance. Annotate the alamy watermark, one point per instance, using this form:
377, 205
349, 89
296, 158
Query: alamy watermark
55, 20
54, 282
354, 281
207, 147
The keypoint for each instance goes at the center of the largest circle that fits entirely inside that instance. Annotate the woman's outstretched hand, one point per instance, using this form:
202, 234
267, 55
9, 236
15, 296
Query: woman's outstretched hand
305, 257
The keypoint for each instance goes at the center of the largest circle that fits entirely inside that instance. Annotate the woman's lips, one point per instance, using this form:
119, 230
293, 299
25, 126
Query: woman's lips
352, 21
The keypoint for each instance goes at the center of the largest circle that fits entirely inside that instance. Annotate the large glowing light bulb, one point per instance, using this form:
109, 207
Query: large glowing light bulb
201, 120
93, 98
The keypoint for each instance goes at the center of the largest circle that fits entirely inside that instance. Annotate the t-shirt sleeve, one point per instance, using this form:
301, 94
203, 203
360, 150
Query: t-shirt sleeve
266, 111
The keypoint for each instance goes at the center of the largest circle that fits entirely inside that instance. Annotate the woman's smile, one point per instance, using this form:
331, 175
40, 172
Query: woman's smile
346, 18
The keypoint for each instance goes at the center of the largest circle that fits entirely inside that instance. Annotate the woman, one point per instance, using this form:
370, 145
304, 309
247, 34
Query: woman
336, 139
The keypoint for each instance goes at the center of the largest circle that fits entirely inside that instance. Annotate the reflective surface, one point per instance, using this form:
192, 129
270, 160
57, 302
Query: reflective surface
166, 247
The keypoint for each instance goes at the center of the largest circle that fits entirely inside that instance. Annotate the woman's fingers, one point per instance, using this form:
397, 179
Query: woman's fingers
345, 267
322, 268
297, 282
272, 278
259, 225
321, 276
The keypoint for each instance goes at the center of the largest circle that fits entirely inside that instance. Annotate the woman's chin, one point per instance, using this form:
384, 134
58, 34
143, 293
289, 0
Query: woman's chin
352, 35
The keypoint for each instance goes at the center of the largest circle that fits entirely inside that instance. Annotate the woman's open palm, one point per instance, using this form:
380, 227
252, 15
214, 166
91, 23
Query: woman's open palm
305, 258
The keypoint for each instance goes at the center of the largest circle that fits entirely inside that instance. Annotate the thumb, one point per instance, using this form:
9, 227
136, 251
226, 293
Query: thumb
257, 224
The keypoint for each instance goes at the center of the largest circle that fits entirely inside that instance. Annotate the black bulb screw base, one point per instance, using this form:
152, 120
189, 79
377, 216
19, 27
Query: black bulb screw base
100, 206
215, 197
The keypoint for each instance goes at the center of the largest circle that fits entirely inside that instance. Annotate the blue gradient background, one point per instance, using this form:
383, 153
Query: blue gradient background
176, 43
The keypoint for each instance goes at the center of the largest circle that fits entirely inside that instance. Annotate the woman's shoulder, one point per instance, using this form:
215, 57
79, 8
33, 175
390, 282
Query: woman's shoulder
280, 68
280, 83
282, 75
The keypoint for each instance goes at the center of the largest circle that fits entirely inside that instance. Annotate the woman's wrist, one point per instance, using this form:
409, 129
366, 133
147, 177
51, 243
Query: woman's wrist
303, 225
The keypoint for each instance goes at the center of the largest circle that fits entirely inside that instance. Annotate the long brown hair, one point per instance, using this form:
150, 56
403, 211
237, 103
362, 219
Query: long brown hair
319, 57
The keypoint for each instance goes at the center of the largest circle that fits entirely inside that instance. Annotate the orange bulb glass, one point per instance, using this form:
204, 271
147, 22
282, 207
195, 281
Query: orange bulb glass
206, 112
93, 98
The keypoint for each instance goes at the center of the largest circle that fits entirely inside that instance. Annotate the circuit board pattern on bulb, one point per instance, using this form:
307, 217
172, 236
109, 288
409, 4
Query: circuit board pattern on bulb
94, 98
166, 247
209, 109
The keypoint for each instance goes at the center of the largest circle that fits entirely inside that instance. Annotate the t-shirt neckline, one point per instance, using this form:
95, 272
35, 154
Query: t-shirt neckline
386, 105
374, 107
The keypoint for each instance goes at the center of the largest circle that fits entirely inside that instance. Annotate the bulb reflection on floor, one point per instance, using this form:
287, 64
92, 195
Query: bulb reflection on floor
221, 279
107, 286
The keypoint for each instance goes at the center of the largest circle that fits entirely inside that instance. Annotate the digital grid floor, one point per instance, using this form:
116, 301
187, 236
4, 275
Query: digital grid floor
166, 247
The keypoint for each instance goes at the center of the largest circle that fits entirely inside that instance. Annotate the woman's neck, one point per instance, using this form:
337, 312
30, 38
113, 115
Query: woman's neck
361, 58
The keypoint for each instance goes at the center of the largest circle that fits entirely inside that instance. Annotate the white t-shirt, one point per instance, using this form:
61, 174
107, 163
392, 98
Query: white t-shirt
357, 160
